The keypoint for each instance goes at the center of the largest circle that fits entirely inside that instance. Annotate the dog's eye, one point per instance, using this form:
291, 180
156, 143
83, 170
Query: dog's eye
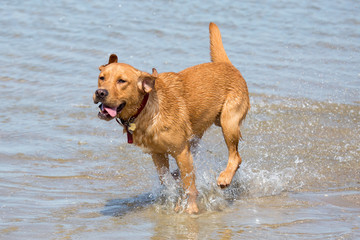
102, 78
121, 81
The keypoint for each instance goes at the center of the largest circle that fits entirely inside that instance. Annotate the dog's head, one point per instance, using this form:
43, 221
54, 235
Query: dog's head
121, 89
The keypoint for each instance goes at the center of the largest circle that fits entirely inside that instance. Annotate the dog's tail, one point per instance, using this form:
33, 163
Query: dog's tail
217, 51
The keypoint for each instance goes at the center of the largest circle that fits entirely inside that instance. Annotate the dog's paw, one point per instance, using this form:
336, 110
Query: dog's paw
189, 206
192, 208
224, 179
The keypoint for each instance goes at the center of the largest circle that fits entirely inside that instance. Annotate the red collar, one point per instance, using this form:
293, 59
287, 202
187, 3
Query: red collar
127, 123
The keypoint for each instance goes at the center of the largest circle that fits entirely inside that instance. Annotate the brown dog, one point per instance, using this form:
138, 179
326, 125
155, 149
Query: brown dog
163, 112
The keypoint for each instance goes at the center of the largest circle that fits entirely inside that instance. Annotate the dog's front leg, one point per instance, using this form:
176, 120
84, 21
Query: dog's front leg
161, 162
184, 161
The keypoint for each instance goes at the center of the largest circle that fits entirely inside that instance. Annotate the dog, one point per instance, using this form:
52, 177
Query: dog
164, 112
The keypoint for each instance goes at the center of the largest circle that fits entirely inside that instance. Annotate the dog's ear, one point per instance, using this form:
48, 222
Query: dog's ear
154, 73
146, 81
113, 58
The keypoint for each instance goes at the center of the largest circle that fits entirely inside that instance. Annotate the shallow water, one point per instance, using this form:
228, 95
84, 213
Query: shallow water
65, 174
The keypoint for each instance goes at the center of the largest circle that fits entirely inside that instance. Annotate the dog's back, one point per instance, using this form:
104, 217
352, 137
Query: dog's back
207, 87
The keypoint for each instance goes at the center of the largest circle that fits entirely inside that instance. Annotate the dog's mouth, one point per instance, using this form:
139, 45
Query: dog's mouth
108, 113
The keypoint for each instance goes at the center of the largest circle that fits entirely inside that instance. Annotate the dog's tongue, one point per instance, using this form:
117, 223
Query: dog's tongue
111, 111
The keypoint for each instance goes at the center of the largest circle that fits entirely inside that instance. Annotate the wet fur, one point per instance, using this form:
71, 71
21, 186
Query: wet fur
181, 107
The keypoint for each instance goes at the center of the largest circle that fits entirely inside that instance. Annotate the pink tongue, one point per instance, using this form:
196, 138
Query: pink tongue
111, 111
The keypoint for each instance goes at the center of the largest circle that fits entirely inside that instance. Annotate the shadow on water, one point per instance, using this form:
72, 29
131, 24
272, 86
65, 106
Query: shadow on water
120, 207
211, 199
166, 195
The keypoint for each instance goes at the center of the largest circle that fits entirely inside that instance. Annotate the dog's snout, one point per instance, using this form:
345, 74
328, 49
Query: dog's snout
101, 93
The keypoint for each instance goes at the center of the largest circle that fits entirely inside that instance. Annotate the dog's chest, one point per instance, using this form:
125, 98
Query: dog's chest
149, 139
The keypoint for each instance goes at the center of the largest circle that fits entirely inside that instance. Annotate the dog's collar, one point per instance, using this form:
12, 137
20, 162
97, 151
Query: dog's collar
129, 124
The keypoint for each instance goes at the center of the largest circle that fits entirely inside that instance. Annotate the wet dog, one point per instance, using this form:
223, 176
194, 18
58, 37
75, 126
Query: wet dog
163, 112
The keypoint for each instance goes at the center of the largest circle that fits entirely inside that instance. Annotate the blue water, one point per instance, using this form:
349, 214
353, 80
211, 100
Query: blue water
61, 168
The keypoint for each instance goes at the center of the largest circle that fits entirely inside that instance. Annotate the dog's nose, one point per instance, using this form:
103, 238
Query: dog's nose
101, 93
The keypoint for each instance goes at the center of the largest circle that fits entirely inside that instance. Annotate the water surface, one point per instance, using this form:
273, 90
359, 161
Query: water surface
65, 174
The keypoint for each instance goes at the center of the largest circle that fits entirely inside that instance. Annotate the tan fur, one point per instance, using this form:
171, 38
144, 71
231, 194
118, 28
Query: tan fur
181, 106
217, 51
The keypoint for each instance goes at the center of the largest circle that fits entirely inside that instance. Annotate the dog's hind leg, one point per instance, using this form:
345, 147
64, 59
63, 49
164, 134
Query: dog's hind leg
232, 114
